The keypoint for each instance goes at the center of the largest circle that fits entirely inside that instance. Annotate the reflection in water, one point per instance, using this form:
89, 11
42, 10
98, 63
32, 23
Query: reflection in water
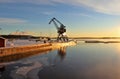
62, 52
84, 61
2, 69
27, 67
89, 61
57, 56
20, 56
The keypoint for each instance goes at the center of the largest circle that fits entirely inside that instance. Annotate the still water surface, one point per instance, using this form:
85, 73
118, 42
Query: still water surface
83, 61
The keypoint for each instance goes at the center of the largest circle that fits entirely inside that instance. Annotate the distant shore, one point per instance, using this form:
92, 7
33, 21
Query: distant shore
37, 37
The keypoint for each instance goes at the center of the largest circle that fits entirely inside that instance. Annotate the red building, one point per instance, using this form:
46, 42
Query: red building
2, 42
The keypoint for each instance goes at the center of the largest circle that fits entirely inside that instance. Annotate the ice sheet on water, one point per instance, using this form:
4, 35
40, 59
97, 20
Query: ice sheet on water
21, 72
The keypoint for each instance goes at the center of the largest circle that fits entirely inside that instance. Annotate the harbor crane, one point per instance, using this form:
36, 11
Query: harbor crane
60, 30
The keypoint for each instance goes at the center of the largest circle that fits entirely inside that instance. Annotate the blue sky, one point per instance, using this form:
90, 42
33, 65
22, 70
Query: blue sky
81, 17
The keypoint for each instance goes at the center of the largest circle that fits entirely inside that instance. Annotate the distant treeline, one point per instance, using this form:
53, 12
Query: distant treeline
94, 37
91, 37
22, 37
42, 37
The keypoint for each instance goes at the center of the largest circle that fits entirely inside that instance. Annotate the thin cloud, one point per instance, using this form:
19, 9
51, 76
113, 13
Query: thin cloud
48, 13
102, 6
81, 14
28, 1
11, 21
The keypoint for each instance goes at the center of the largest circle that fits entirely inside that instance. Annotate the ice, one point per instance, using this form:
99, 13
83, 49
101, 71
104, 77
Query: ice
24, 70
21, 72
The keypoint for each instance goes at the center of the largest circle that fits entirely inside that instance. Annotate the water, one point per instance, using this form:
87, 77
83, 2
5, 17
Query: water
83, 61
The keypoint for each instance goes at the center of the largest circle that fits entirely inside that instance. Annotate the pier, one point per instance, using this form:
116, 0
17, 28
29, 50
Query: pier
7, 51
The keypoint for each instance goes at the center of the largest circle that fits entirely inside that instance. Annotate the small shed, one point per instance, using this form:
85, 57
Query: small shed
2, 42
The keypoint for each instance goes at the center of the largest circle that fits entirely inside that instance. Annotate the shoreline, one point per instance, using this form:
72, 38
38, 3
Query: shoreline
6, 51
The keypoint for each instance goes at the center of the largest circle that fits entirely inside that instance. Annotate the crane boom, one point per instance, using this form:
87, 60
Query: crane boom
58, 21
56, 25
53, 20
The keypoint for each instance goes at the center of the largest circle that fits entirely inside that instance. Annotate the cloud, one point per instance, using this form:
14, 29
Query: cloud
11, 21
81, 14
48, 12
102, 6
28, 1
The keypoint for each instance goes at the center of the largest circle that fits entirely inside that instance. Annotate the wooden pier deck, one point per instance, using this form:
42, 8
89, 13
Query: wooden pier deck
29, 48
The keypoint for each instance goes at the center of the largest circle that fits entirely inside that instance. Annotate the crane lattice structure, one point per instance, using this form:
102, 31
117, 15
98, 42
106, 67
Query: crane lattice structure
60, 30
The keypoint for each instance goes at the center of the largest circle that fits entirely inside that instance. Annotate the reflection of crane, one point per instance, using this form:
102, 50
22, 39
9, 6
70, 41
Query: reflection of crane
62, 52
60, 30
61, 55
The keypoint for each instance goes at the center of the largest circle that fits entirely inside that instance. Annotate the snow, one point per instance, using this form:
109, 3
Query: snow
21, 42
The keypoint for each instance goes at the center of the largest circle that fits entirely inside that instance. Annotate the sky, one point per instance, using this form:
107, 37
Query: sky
82, 18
